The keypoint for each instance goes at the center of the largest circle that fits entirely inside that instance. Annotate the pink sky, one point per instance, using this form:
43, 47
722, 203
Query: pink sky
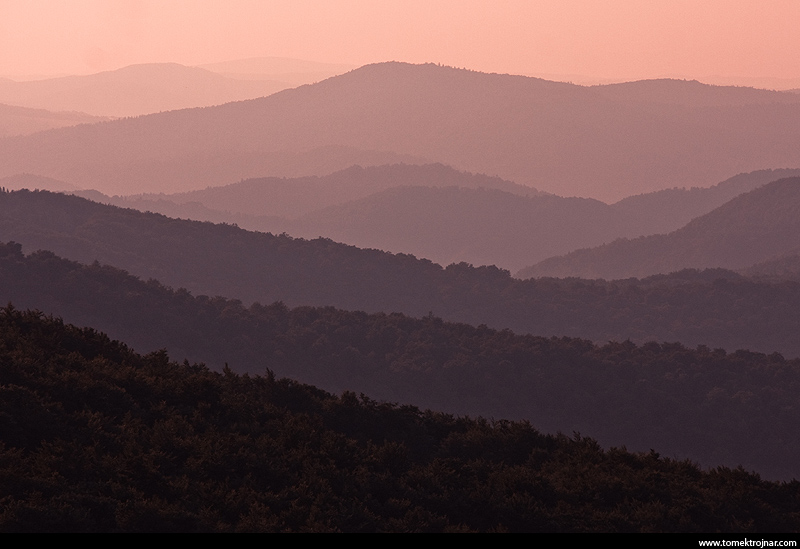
623, 39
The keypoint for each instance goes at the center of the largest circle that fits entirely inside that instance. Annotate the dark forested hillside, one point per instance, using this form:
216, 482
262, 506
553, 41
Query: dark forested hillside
754, 227
715, 308
97, 438
713, 406
560, 138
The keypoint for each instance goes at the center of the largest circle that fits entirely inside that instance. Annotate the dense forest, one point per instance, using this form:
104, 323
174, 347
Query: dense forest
99, 438
714, 406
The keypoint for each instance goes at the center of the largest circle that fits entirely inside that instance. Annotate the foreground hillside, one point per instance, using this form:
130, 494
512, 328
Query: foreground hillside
709, 405
98, 438
755, 227
560, 138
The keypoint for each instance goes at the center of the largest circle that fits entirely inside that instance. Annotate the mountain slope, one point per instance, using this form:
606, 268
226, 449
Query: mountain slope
557, 137
752, 228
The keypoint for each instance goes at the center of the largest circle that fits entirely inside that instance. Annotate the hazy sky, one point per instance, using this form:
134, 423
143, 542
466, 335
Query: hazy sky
614, 38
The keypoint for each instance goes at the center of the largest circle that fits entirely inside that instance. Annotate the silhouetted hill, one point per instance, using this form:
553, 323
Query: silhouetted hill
25, 121
560, 138
711, 406
135, 90
754, 227
96, 438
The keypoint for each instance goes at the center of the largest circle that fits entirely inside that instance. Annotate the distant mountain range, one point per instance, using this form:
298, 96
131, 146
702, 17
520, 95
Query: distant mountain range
758, 226
25, 121
294, 72
438, 213
135, 90
605, 142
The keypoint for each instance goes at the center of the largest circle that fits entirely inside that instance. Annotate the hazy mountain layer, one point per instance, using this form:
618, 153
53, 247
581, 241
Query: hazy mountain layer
754, 227
786, 267
25, 121
670, 209
135, 90
691, 93
295, 197
477, 224
294, 72
560, 138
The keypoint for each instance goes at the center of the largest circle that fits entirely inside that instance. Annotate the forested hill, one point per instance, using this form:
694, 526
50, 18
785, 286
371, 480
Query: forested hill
713, 406
754, 227
714, 308
97, 438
